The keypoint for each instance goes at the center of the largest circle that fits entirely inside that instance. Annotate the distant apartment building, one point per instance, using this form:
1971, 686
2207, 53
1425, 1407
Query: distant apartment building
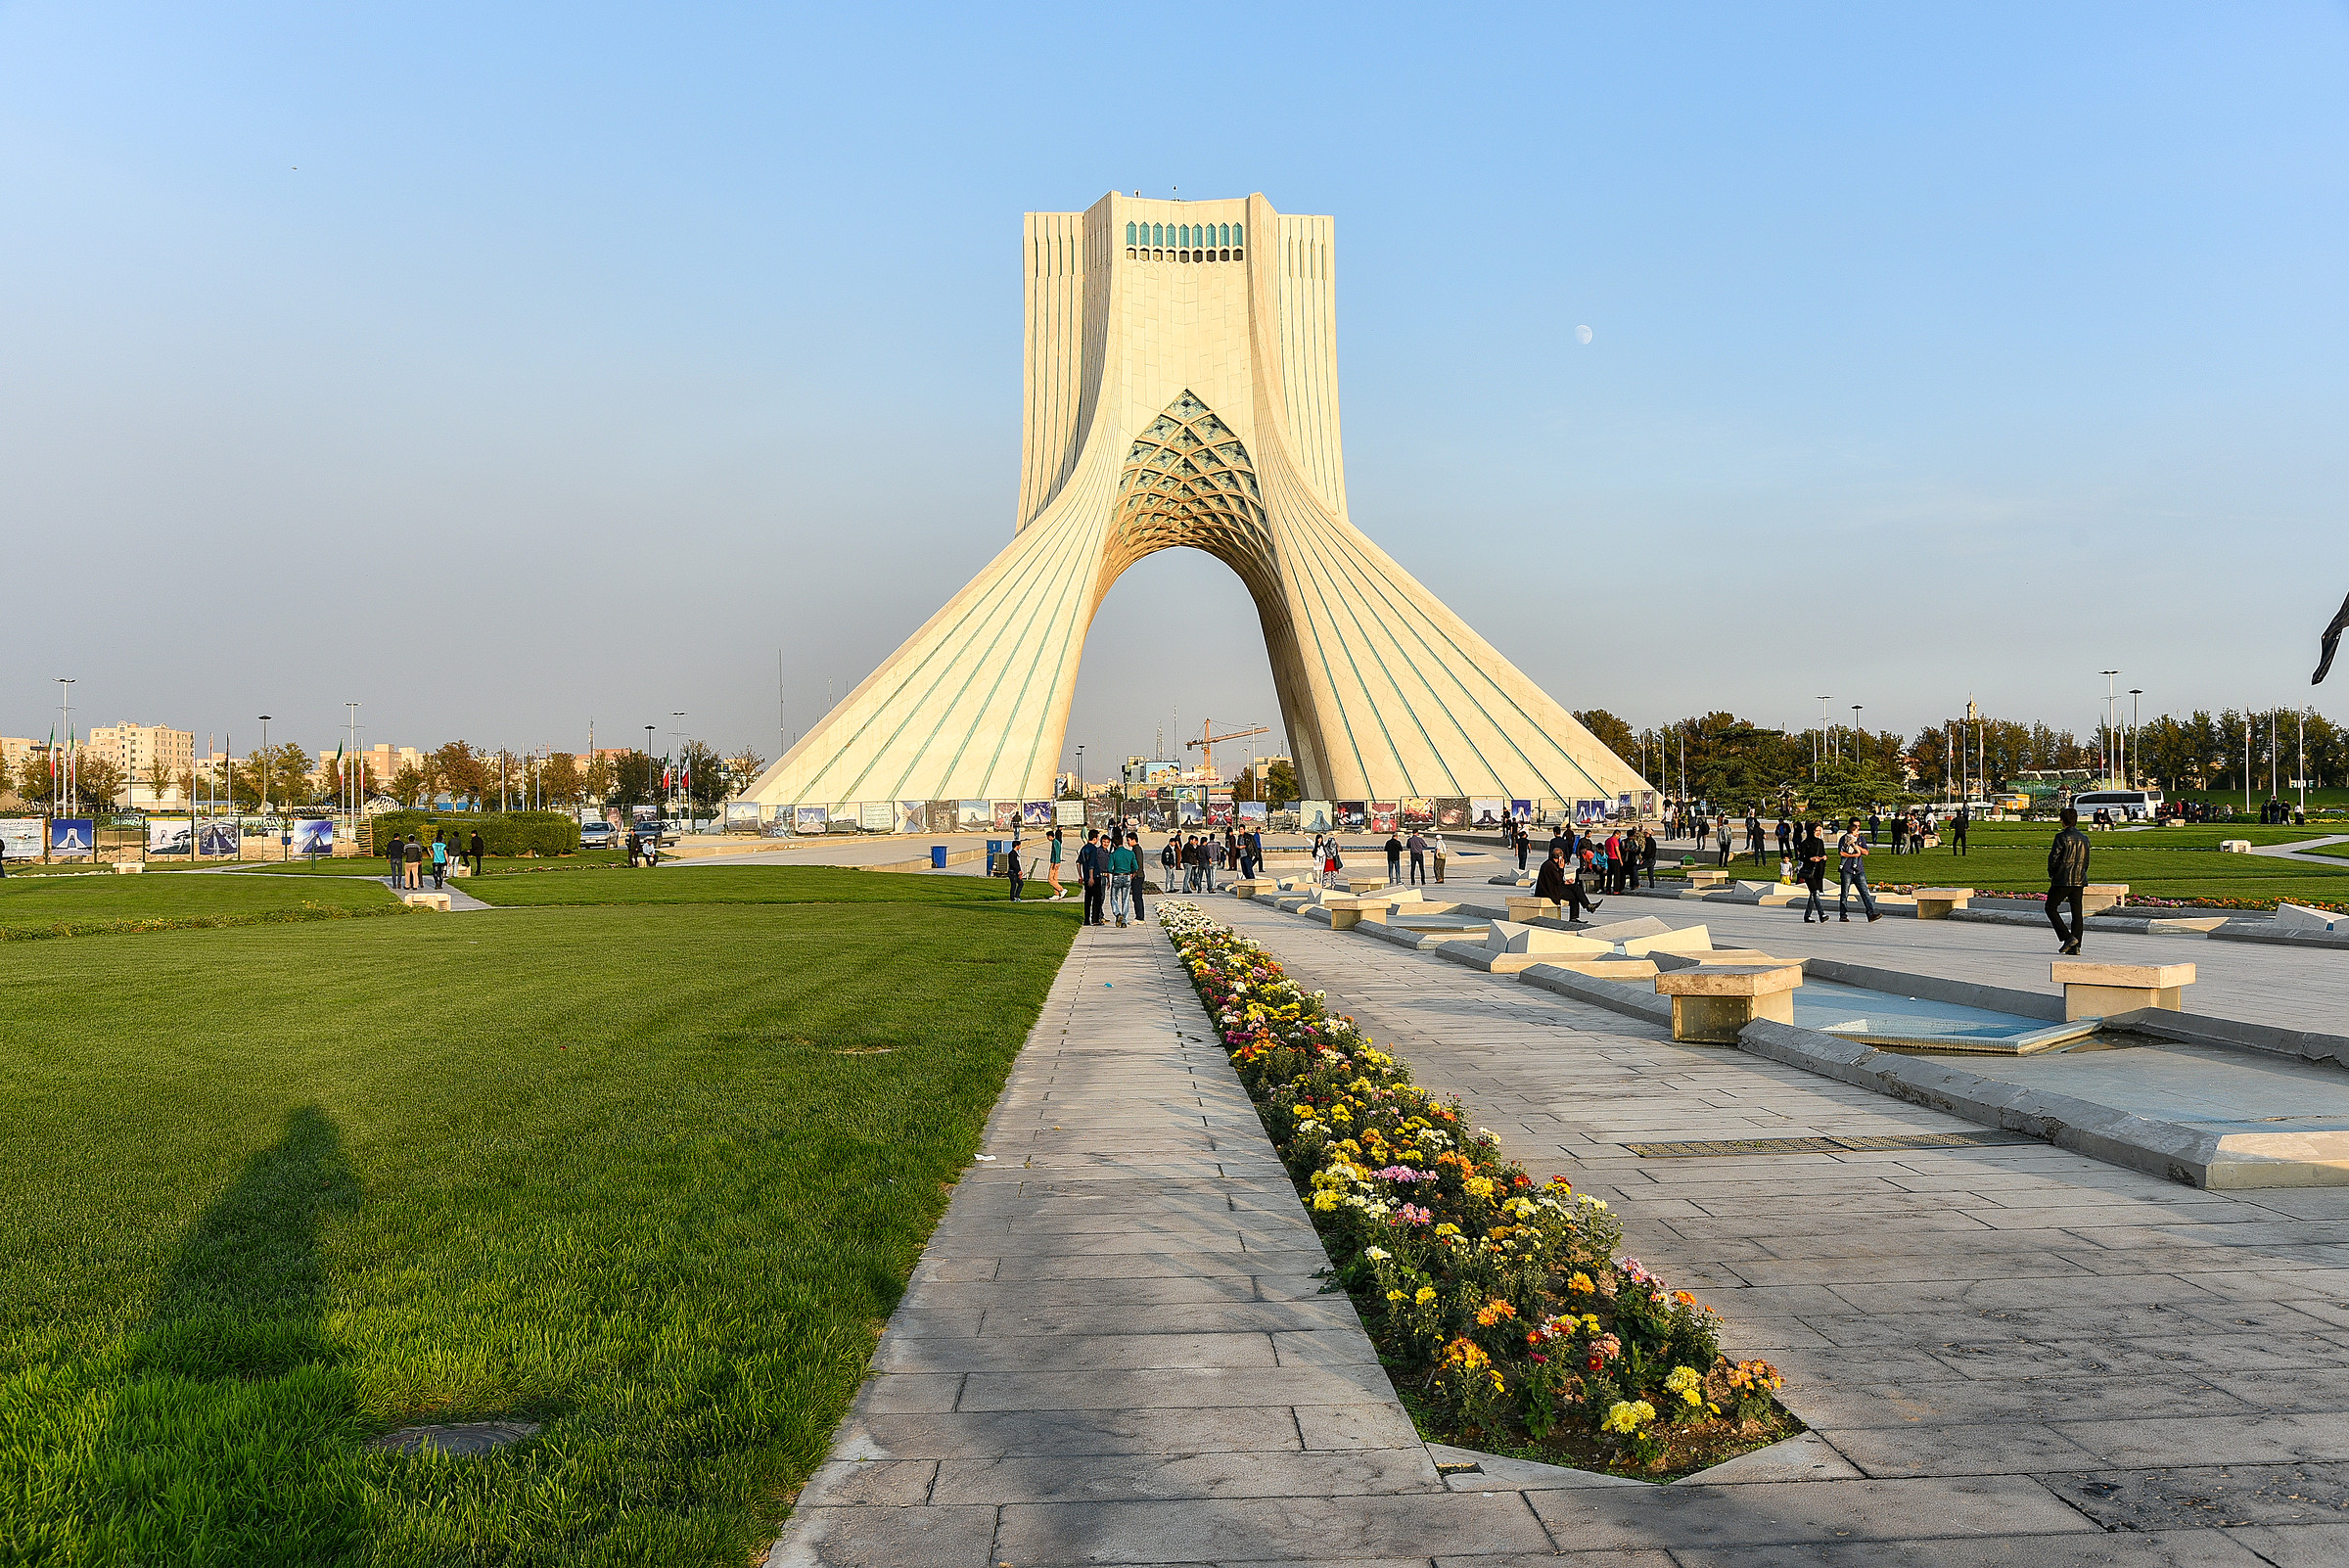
142, 752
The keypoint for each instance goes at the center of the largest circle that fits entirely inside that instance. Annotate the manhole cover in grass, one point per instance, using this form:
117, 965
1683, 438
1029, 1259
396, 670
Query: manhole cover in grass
1701, 1147
462, 1438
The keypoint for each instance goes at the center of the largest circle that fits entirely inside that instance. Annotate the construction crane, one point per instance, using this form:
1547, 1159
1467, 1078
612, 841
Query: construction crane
1208, 738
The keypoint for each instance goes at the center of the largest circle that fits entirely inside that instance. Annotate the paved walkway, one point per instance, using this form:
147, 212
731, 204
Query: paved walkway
2142, 1356
2293, 988
1115, 1349
2298, 848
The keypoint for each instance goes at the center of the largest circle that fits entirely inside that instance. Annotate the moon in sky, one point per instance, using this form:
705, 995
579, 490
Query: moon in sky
1582, 335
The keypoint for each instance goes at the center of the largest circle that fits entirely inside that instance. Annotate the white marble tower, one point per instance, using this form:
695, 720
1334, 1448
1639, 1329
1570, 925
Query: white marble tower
1181, 388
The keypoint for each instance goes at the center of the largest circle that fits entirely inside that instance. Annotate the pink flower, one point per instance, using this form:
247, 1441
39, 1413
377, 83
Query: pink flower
1412, 1214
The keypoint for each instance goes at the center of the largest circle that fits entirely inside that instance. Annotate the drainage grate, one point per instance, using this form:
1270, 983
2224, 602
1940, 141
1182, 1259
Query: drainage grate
1836, 1145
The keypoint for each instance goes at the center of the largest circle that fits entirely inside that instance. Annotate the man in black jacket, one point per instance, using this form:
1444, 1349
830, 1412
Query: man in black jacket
1812, 870
1557, 882
2067, 876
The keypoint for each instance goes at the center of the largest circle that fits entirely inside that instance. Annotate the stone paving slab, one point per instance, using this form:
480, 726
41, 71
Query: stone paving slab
1117, 1349
2018, 1315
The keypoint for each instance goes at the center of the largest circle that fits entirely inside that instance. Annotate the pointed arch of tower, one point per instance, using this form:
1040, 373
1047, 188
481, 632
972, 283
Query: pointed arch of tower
1188, 398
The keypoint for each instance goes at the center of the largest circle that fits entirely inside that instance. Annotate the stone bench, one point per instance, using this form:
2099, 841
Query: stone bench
2102, 991
2100, 896
1935, 903
2235, 846
1522, 911
1708, 879
1711, 1003
426, 901
1508, 948
130, 866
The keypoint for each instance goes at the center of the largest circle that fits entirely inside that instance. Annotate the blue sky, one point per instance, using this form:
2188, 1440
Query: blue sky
508, 369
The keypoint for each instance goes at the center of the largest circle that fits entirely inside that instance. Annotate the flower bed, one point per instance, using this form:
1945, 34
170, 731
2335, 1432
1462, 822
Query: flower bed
1498, 1304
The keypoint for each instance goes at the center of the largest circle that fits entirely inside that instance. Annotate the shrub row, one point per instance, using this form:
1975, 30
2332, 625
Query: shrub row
502, 832
140, 926
1498, 1303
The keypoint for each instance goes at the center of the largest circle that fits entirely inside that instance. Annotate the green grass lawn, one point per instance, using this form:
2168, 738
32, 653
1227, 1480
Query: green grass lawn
674, 883
373, 865
2175, 874
42, 904
649, 1174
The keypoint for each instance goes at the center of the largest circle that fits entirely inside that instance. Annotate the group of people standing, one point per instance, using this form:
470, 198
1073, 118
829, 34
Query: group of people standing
1420, 847
411, 859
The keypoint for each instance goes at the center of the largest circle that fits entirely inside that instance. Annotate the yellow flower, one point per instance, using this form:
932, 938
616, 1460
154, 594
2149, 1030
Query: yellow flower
1688, 1384
1394, 1295
1427, 1293
1581, 1286
1628, 1416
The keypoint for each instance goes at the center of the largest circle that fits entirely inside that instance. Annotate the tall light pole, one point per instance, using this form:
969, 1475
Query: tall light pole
2111, 702
2135, 767
264, 765
679, 736
352, 790
659, 804
2303, 717
57, 778
1855, 735
1819, 751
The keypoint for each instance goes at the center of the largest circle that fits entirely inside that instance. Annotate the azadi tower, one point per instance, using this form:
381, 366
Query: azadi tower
1182, 384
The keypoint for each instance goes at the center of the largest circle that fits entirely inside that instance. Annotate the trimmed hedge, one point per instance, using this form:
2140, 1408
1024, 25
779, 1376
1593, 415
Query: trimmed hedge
502, 832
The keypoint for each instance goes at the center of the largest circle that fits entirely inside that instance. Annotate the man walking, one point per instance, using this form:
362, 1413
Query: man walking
1785, 838
1394, 858
1419, 848
475, 846
1753, 835
397, 854
1648, 855
1721, 838
1524, 843
1088, 877
1012, 872
2067, 876
1137, 882
1052, 851
1814, 873
1852, 847
1437, 848
1124, 866
1957, 827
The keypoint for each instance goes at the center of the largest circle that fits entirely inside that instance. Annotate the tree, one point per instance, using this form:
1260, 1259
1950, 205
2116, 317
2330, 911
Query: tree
281, 774
636, 780
560, 778
96, 779
33, 780
743, 769
408, 785
1616, 733
598, 778
456, 769
706, 779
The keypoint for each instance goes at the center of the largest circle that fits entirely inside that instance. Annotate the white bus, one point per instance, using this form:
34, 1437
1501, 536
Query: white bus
2120, 806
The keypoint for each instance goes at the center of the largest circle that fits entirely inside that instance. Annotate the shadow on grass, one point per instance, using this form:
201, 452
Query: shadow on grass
232, 1438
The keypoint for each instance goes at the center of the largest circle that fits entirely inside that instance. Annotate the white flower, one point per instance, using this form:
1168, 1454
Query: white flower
1376, 1254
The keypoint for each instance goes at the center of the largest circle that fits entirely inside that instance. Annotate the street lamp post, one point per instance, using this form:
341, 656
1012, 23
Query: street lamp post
1855, 735
1819, 750
660, 803
2111, 702
2135, 765
58, 781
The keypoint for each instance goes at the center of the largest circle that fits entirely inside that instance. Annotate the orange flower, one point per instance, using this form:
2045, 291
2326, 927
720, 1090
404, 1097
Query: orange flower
1493, 1312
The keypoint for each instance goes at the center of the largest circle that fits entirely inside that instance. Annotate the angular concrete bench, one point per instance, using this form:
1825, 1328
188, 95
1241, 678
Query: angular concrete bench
1711, 1003
1686, 940
2100, 896
1508, 948
1708, 879
2298, 917
426, 901
2235, 846
131, 867
1935, 903
2102, 991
